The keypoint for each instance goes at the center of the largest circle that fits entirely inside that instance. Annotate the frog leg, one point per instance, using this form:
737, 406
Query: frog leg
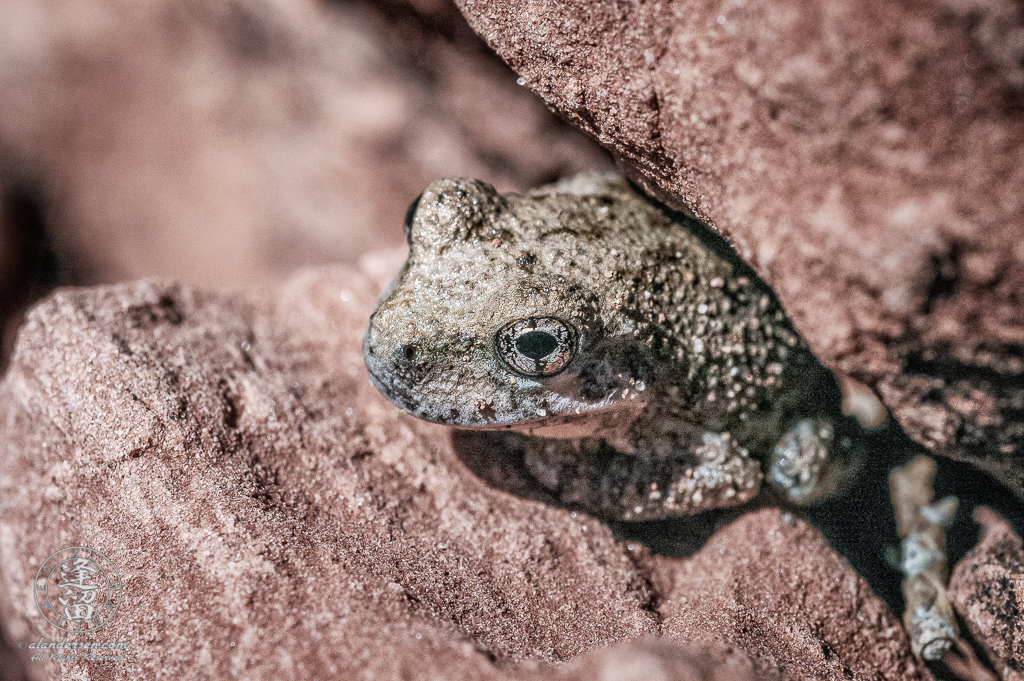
590, 474
724, 476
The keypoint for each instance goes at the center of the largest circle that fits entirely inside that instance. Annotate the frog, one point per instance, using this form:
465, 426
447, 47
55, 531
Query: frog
640, 368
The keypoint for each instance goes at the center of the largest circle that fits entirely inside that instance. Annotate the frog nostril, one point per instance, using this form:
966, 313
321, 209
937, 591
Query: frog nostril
410, 352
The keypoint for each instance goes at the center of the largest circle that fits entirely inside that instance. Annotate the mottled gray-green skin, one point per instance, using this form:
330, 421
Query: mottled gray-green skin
672, 333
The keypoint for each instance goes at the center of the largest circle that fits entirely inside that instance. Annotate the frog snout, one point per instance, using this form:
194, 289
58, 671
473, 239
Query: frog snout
393, 368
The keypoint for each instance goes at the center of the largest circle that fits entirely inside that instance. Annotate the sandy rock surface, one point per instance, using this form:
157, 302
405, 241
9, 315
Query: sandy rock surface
987, 589
867, 158
273, 517
652, 659
771, 585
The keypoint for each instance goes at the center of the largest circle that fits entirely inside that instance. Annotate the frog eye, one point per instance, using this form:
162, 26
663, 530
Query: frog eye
536, 346
409, 215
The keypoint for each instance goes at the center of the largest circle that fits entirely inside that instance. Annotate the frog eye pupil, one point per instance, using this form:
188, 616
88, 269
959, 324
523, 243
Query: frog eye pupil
409, 215
536, 344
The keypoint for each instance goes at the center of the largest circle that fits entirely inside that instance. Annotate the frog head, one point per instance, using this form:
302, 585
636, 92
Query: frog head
504, 316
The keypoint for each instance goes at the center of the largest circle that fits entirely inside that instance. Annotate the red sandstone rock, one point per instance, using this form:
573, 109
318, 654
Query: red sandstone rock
987, 589
652, 659
770, 585
865, 157
273, 517
230, 143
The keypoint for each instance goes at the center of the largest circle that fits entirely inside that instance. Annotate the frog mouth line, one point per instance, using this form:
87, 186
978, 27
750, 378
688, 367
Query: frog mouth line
385, 389
571, 416
411, 407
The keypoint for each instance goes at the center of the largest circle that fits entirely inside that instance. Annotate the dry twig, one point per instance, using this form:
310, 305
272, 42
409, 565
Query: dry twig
966, 665
929, 616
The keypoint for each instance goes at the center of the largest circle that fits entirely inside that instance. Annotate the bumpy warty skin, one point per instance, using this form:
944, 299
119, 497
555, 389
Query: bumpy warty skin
670, 329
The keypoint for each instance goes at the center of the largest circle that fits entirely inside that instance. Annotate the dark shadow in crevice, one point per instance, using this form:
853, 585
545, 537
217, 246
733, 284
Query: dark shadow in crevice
29, 265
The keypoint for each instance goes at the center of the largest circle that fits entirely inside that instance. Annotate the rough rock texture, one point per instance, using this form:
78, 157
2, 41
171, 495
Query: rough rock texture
987, 589
866, 157
273, 517
770, 585
227, 143
656, 660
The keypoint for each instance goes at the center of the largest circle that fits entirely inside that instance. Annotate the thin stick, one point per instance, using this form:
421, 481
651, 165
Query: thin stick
929, 617
967, 666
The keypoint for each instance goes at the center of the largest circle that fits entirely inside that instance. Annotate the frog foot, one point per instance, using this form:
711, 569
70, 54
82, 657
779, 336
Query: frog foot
724, 476
802, 467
